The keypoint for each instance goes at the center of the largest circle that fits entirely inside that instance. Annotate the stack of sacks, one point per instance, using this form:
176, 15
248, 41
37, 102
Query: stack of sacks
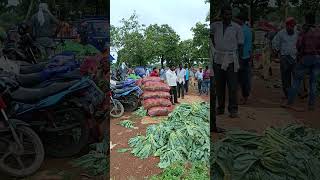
156, 97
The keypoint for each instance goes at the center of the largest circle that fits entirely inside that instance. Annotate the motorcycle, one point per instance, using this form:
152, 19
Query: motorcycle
129, 96
61, 109
22, 151
117, 108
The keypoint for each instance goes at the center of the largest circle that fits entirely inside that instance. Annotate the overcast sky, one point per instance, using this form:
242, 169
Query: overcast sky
181, 15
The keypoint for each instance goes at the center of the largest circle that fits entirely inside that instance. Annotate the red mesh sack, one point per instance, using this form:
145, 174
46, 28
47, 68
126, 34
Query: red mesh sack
160, 111
154, 102
151, 79
139, 82
155, 94
156, 86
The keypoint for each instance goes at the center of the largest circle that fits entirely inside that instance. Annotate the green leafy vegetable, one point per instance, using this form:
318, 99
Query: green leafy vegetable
285, 153
123, 150
184, 136
96, 162
127, 124
141, 112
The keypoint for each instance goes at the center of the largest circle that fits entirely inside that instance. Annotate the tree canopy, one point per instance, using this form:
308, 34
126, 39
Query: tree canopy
137, 44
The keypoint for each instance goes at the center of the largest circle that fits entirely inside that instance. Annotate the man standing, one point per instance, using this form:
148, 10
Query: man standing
162, 74
181, 73
186, 85
245, 67
227, 43
206, 81
308, 47
43, 26
171, 79
284, 44
199, 78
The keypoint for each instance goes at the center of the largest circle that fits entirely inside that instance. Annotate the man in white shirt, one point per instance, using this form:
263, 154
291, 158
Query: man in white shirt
227, 39
181, 80
171, 79
199, 78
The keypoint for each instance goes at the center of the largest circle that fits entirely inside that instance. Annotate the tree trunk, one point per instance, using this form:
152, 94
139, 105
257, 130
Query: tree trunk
162, 61
29, 10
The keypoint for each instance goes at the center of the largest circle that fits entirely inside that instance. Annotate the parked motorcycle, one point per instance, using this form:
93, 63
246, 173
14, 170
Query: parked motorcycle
61, 110
21, 150
116, 109
128, 96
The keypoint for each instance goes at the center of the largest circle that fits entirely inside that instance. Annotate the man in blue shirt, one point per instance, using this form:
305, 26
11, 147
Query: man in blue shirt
244, 62
186, 85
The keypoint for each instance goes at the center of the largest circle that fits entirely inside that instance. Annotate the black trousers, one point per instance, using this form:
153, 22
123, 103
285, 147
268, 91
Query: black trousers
245, 77
200, 86
212, 104
173, 93
180, 90
225, 78
186, 86
287, 66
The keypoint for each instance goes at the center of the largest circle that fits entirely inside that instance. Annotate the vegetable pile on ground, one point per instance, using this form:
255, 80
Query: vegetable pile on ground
96, 162
79, 49
177, 171
289, 153
127, 124
140, 112
156, 97
184, 136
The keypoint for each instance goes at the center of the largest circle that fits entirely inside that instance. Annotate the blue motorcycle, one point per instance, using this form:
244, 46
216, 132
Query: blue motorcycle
129, 96
57, 112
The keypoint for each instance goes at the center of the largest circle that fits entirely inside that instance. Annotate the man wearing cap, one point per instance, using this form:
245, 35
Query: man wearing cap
284, 44
308, 47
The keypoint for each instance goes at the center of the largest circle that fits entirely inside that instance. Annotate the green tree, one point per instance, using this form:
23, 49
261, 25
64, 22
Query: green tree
201, 42
161, 44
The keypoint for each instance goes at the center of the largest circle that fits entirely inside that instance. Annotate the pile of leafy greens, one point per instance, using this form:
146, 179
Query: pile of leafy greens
96, 161
141, 112
281, 154
127, 124
185, 171
184, 136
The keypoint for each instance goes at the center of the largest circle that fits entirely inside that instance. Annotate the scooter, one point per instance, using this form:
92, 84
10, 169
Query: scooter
61, 111
21, 150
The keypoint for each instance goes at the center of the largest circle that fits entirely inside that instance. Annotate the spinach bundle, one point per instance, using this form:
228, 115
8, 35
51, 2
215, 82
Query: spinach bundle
288, 153
184, 136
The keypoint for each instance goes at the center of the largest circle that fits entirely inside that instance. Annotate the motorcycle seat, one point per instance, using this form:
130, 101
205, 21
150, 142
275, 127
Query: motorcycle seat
34, 68
29, 80
29, 96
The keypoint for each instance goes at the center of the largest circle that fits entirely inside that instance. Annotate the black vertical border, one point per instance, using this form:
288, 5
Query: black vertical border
108, 98
212, 94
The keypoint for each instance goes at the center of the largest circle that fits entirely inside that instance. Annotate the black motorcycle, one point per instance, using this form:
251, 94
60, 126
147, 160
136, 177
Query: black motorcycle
21, 150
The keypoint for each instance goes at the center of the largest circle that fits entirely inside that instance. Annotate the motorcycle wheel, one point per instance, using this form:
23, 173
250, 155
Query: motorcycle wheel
117, 109
68, 142
15, 162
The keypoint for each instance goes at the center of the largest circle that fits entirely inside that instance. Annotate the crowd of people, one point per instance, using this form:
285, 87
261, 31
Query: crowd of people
231, 45
182, 78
